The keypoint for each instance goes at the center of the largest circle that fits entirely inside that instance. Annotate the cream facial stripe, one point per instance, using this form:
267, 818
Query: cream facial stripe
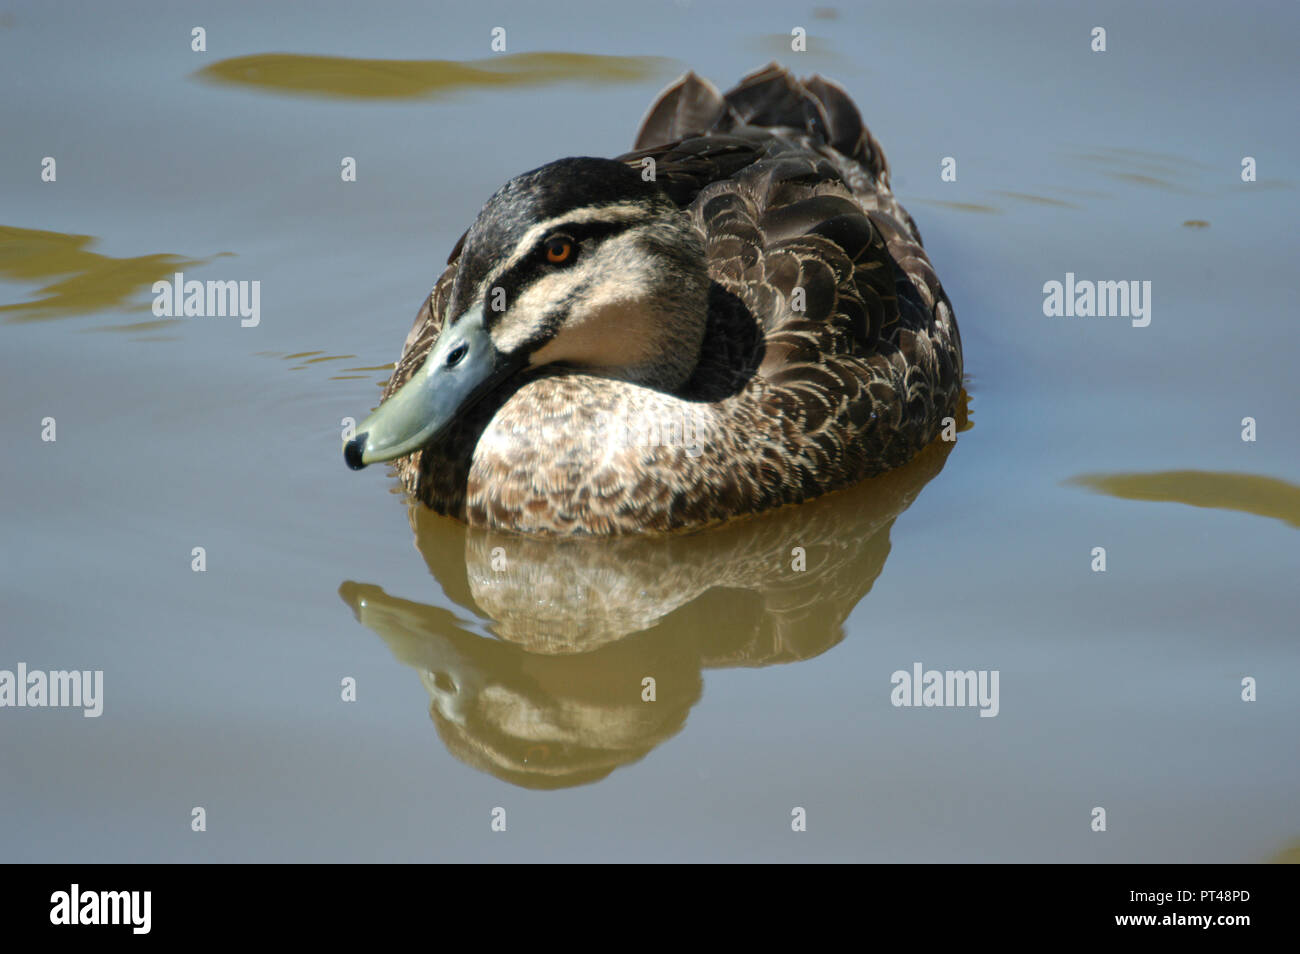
616, 212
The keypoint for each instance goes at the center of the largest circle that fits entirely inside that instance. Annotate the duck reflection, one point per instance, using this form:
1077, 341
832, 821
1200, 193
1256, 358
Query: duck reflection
586, 654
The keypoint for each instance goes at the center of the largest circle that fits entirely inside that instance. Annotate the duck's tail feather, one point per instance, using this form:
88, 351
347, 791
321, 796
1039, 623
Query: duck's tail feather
771, 97
687, 108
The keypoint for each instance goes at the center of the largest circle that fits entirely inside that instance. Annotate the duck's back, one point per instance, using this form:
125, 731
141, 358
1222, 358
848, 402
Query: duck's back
792, 193
832, 353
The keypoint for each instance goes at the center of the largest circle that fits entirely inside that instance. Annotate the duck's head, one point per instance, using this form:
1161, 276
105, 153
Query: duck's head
581, 263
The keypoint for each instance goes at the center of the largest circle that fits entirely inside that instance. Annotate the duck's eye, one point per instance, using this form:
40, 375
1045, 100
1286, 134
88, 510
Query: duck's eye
558, 249
457, 353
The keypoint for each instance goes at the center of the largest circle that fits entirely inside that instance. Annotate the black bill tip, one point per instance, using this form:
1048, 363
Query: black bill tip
352, 451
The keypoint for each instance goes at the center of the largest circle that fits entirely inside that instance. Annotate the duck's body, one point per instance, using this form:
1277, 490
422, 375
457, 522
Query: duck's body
825, 349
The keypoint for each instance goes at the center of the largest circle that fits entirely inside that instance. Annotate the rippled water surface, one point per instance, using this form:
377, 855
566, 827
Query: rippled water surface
519, 685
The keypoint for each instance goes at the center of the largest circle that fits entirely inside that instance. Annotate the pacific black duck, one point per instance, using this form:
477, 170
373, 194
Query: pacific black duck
734, 316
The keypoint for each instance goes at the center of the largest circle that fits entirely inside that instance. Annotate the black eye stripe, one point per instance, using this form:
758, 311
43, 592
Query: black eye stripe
581, 232
529, 266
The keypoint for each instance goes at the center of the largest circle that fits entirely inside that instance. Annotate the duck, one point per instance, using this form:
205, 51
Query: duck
735, 316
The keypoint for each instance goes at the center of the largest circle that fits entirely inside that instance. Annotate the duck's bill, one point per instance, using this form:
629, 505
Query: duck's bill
463, 367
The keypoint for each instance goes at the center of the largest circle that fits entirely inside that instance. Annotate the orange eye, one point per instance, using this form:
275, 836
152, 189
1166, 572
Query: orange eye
558, 250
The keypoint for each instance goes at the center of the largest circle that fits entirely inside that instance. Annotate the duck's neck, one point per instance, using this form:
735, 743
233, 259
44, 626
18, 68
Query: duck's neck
671, 311
641, 316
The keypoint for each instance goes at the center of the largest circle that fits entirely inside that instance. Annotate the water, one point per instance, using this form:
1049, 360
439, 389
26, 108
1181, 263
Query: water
222, 689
